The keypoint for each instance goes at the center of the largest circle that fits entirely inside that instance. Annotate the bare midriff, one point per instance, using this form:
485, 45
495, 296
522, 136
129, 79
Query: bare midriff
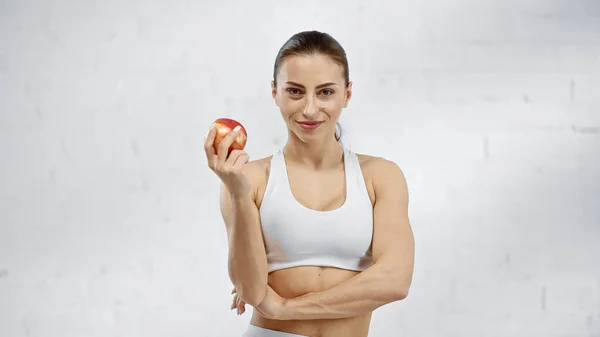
298, 281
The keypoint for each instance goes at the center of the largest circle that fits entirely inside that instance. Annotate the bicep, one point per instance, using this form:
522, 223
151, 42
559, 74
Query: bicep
393, 236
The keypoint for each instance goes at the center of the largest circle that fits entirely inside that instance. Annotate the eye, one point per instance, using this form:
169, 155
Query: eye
328, 92
293, 91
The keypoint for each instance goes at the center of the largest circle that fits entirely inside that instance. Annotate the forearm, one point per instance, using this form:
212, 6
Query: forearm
247, 257
357, 296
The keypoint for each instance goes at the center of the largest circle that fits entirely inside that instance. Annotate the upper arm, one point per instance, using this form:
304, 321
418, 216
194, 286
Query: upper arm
393, 238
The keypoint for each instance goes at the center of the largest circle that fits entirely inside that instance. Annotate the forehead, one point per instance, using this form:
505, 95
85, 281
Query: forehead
309, 70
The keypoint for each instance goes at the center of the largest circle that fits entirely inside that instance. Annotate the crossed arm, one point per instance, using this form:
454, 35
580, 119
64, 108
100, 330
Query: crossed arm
389, 278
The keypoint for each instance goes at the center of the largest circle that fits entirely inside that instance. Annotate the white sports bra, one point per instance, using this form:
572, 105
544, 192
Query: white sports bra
296, 236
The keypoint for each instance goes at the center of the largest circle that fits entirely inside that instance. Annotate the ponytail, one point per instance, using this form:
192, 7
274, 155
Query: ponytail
338, 131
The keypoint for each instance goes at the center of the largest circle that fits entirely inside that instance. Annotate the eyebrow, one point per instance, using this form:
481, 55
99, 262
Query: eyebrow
318, 86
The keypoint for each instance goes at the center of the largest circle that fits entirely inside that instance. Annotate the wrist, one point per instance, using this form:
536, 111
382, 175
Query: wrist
241, 196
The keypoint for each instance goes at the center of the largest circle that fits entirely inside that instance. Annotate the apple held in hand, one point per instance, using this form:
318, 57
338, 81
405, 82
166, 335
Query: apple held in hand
223, 127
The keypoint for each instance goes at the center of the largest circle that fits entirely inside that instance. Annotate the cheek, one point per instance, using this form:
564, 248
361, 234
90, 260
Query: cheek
335, 105
288, 108
288, 105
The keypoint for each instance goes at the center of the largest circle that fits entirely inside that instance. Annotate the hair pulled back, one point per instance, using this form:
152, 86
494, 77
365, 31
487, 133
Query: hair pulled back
309, 43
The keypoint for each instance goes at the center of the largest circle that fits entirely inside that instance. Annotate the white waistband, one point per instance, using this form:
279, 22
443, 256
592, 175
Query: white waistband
256, 331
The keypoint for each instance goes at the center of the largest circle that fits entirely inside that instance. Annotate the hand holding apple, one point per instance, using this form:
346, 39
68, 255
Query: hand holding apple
224, 146
224, 126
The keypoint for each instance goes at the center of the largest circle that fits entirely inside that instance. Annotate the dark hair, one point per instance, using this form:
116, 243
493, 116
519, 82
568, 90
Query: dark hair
313, 43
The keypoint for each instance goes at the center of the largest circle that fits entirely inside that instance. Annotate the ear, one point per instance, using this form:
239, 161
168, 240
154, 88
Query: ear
274, 92
348, 94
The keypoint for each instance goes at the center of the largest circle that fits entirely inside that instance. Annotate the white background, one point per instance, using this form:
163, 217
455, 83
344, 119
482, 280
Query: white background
109, 219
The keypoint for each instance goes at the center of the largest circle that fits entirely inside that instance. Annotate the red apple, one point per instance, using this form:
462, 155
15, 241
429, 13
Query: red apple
223, 127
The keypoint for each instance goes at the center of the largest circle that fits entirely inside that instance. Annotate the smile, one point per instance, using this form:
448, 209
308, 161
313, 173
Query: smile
310, 125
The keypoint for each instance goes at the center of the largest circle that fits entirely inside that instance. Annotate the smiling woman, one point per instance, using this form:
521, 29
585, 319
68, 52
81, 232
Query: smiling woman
319, 236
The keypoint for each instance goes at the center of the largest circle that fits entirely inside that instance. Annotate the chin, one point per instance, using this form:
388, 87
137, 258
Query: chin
312, 138
308, 139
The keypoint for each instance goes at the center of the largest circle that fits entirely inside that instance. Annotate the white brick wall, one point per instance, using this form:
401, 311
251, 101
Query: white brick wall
109, 222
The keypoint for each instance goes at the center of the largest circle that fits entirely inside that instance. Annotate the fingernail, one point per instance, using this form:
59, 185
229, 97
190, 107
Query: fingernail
237, 128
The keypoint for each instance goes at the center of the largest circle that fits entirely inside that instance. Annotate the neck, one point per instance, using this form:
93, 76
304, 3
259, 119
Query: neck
323, 154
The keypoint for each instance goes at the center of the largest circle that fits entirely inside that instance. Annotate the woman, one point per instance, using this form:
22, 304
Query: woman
319, 236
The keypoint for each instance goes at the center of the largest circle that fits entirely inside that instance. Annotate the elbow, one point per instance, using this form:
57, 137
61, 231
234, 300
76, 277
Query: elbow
253, 295
396, 291
400, 293
399, 289
397, 277
251, 288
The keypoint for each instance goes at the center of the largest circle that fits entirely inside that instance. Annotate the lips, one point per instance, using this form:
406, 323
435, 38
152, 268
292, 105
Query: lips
309, 125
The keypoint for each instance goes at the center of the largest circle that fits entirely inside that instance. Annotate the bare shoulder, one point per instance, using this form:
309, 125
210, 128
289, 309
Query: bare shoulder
383, 174
379, 167
257, 172
258, 166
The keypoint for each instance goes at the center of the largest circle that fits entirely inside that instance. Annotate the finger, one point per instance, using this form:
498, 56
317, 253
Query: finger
234, 303
225, 144
239, 305
209, 141
241, 308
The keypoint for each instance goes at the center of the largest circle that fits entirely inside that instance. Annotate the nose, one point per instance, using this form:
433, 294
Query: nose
310, 109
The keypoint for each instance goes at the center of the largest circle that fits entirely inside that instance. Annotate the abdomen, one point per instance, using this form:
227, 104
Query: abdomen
298, 281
